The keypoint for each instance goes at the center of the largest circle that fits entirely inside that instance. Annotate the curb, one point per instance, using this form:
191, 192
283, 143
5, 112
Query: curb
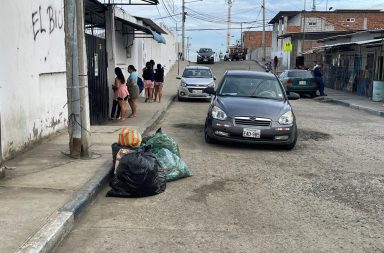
353, 106
61, 223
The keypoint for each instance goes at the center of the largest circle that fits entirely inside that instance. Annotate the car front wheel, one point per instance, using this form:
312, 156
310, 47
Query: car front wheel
207, 138
293, 143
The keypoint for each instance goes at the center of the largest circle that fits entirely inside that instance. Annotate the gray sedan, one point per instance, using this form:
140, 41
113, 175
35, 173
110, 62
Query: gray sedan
193, 81
251, 107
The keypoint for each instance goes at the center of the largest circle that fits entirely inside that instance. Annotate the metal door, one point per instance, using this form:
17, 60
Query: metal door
97, 79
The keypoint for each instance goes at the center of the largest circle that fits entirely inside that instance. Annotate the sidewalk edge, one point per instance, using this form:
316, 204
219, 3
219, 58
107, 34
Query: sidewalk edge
354, 106
47, 238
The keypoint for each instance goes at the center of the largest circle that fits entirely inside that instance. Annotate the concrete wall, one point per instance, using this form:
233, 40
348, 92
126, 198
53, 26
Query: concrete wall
32, 70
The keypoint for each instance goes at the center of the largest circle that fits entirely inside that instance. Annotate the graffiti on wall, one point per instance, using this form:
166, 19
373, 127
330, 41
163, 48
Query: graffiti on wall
47, 21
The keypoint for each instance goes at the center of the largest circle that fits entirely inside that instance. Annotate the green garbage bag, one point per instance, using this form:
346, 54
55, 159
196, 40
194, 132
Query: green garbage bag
175, 168
160, 140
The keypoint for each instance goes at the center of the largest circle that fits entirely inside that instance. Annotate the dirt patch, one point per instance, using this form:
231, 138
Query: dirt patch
201, 193
190, 126
306, 134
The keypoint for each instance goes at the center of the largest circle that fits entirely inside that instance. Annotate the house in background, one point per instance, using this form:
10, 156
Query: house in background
352, 62
305, 29
252, 41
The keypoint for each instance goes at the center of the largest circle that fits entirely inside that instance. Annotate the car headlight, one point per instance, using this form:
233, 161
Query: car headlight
286, 118
211, 84
183, 84
219, 114
211, 56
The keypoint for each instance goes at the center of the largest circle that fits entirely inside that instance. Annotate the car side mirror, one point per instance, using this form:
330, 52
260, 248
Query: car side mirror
214, 78
293, 96
197, 51
178, 77
209, 90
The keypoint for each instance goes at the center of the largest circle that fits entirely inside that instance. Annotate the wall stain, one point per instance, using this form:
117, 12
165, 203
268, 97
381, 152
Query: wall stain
35, 131
54, 122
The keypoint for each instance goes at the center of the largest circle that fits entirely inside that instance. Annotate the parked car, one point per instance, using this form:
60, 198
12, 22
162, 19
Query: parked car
193, 81
205, 55
251, 107
299, 80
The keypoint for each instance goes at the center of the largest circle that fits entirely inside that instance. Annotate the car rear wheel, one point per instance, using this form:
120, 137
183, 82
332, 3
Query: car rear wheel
313, 94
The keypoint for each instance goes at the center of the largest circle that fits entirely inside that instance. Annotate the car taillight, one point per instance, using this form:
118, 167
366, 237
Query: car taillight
314, 83
289, 82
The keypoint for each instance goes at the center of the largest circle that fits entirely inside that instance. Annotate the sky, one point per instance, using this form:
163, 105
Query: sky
212, 14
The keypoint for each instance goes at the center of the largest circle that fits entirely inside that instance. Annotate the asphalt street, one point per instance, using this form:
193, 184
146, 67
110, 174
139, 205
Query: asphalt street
326, 195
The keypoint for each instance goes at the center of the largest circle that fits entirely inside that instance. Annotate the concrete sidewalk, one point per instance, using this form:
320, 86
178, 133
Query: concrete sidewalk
354, 101
44, 191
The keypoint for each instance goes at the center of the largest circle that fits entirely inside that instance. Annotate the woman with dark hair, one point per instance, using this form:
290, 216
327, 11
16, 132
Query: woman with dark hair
148, 77
133, 90
121, 93
159, 80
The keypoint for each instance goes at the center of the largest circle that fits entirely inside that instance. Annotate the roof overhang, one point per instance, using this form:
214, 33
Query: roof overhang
312, 35
151, 24
131, 2
145, 30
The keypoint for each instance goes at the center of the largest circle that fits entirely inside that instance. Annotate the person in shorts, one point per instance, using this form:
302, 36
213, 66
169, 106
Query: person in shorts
121, 92
149, 78
133, 90
159, 81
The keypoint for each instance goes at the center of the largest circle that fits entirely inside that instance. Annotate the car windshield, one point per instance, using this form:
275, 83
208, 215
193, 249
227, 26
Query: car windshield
300, 73
246, 86
205, 50
197, 73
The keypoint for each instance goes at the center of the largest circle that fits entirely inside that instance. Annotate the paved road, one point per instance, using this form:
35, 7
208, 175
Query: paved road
326, 195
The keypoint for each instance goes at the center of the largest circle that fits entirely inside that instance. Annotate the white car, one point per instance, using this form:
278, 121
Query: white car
193, 81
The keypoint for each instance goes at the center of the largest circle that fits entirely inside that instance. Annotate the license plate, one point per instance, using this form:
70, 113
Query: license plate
251, 133
205, 60
197, 91
302, 82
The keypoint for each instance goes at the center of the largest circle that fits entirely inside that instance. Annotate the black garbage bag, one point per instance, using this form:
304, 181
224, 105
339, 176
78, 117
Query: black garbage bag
139, 174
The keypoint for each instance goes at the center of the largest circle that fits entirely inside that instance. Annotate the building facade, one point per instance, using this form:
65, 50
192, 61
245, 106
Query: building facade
352, 62
253, 44
304, 29
33, 64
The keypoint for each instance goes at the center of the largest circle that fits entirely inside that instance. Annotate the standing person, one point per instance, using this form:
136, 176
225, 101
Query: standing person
115, 103
159, 80
122, 92
133, 90
148, 77
152, 62
319, 78
275, 64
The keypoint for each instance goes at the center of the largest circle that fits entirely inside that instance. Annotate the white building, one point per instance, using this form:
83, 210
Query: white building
33, 84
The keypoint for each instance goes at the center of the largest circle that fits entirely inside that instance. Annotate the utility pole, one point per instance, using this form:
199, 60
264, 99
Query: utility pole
263, 34
73, 93
183, 31
241, 35
314, 5
303, 38
229, 25
77, 89
83, 81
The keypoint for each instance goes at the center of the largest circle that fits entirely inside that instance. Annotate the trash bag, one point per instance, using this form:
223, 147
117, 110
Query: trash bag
160, 140
175, 168
139, 174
